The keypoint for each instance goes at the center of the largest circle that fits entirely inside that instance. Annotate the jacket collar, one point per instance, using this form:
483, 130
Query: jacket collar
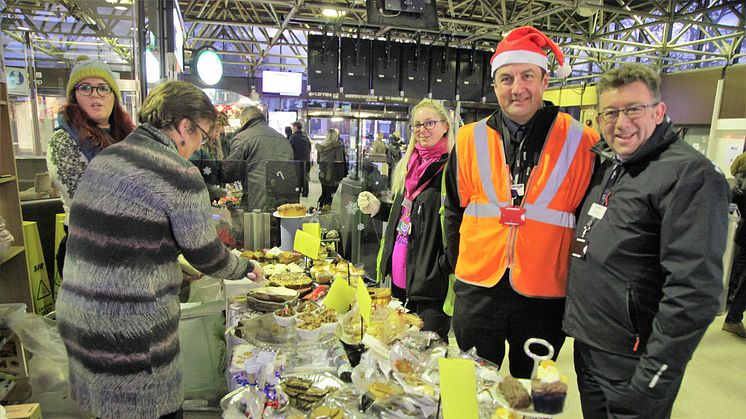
538, 127
250, 123
149, 132
663, 136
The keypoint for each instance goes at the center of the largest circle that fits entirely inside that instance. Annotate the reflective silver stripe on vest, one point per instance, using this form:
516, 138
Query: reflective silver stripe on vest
482, 210
564, 161
482, 149
550, 216
537, 211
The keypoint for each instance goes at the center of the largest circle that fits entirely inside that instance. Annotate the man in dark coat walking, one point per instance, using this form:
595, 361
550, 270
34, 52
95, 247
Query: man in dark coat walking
301, 152
258, 144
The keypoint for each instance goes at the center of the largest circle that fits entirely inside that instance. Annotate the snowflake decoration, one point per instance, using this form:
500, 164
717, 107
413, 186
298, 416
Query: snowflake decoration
207, 171
351, 207
360, 227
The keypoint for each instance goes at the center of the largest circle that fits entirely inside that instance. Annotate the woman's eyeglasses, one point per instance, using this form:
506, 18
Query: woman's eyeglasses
103, 90
205, 136
429, 124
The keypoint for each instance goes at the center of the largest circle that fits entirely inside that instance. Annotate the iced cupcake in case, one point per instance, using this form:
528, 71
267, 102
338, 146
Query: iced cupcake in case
548, 388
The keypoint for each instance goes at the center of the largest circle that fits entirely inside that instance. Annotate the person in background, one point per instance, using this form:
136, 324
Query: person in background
217, 147
647, 258
395, 138
301, 153
412, 246
739, 165
377, 150
288, 132
393, 149
513, 183
138, 206
257, 143
737, 286
92, 120
332, 167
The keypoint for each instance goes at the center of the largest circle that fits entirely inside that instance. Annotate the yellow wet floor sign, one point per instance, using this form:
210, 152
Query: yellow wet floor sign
41, 296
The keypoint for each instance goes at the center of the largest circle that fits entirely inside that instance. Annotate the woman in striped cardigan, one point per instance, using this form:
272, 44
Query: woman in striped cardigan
138, 206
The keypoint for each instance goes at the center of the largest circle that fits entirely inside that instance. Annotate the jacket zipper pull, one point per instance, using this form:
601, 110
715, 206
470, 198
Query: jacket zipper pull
657, 376
637, 343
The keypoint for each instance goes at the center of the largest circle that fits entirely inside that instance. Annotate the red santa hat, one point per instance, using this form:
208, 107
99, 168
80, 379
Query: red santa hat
527, 45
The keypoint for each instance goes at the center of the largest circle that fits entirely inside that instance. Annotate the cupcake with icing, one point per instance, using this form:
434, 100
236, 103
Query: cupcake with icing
548, 388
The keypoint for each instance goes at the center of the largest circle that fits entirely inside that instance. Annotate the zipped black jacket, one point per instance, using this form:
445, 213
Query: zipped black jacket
427, 268
652, 275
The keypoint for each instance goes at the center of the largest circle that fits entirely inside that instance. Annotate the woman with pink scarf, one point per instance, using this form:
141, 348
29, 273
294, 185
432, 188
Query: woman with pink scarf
412, 246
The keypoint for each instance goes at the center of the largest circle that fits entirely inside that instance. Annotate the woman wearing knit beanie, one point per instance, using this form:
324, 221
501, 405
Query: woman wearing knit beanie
92, 120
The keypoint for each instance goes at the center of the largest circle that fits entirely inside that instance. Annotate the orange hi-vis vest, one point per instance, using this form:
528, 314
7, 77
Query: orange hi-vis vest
538, 251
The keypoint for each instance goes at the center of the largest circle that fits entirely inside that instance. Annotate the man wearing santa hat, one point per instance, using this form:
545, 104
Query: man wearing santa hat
513, 183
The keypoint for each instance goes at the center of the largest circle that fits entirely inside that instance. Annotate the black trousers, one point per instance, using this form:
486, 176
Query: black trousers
738, 304
431, 313
737, 271
327, 194
603, 379
485, 318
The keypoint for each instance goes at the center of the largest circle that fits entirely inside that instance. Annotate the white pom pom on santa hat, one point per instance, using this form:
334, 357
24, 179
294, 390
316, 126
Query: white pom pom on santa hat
527, 45
563, 71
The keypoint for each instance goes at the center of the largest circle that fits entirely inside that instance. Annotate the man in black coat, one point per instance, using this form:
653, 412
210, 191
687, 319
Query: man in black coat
260, 145
301, 152
647, 257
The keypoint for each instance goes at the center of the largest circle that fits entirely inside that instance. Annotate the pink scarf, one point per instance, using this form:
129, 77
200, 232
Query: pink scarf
421, 159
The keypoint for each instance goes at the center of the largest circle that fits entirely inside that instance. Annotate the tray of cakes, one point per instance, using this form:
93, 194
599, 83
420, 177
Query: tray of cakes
291, 211
306, 324
271, 298
541, 397
272, 256
405, 381
298, 395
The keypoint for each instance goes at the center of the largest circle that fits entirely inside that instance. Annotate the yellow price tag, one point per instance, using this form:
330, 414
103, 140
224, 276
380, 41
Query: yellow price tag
340, 296
458, 388
312, 228
307, 244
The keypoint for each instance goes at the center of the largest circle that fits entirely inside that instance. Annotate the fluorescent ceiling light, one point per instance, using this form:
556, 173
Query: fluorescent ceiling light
23, 28
333, 13
120, 7
337, 119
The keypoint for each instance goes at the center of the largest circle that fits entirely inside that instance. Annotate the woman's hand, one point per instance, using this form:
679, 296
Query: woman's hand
368, 203
256, 275
191, 278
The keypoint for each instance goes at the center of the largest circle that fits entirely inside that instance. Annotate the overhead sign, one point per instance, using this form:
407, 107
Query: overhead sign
18, 84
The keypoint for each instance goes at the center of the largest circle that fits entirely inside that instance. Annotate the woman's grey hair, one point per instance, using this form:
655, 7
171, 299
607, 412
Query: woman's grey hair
170, 102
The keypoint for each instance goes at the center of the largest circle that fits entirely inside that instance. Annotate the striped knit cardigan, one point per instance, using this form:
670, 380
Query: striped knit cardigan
138, 205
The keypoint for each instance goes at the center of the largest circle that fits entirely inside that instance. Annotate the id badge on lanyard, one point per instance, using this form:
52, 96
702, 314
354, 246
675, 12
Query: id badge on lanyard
404, 227
579, 245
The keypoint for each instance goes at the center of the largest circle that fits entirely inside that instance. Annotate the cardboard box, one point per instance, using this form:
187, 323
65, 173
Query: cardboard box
23, 411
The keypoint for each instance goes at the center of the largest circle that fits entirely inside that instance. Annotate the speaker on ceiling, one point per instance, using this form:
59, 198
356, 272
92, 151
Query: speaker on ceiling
323, 63
470, 75
385, 79
488, 86
443, 72
415, 68
355, 66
